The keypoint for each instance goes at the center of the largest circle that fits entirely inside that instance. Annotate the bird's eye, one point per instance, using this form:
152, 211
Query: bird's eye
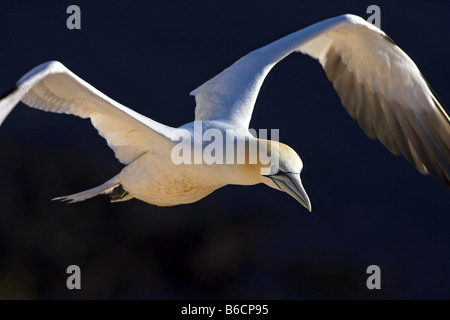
274, 170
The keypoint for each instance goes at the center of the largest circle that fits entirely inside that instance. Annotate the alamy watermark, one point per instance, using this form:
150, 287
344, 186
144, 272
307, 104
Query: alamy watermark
202, 145
74, 280
374, 280
74, 20
375, 18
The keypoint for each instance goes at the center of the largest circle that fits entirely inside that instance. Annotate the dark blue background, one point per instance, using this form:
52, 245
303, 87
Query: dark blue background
369, 207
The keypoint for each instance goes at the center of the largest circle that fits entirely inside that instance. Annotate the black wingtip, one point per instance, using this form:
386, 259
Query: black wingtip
7, 93
389, 39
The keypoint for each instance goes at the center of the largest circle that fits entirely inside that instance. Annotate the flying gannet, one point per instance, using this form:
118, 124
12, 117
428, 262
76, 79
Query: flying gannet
379, 85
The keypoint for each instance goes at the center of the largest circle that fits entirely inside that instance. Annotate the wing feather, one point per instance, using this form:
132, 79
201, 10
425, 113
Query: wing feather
52, 87
378, 84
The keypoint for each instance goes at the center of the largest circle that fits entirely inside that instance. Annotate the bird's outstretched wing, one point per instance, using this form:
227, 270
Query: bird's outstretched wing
379, 85
52, 87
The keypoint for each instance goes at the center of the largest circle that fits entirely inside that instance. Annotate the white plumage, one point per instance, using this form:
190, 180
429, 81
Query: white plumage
379, 85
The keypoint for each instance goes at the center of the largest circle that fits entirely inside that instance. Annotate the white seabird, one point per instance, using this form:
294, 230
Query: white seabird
379, 85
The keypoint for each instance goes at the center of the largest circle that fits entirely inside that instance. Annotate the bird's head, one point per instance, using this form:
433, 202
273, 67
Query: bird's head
283, 172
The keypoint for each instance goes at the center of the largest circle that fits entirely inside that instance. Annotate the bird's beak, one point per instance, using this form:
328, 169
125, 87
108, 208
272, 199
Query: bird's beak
292, 185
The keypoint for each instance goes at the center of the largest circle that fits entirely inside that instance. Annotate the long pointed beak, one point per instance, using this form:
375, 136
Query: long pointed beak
292, 185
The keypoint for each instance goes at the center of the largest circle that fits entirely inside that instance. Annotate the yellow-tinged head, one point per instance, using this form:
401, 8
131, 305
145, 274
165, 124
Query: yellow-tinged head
282, 171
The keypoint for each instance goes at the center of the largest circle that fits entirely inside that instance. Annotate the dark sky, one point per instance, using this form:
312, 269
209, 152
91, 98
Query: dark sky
369, 207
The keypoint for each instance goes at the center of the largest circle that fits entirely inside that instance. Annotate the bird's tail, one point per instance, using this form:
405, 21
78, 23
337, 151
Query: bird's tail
112, 187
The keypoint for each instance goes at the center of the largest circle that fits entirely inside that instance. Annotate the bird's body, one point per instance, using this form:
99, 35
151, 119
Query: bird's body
154, 179
379, 85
